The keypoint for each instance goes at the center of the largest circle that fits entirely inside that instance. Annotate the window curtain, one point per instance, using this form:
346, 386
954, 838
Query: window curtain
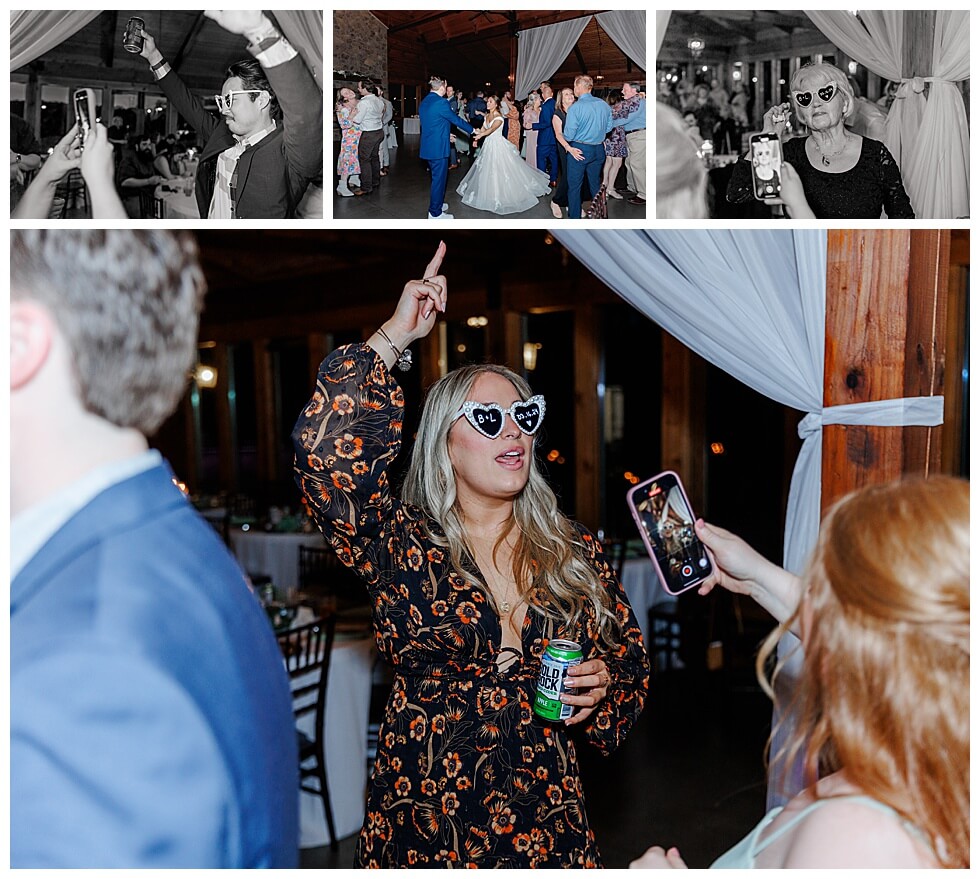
663, 19
752, 303
33, 32
541, 51
304, 30
938, 168
877, 44
628, 30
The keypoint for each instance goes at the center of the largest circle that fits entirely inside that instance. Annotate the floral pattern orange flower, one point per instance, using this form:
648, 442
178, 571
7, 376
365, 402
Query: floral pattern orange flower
466, 774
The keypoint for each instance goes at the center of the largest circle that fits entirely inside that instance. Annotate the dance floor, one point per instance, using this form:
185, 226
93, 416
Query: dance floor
690, 774
404, 194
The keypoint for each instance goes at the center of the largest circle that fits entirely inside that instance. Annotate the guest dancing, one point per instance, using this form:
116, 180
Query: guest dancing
588, 120
532, 113
844, 176
614, 146
559, 200
500, 181
348, 165
437, 121
471, 572
883, 611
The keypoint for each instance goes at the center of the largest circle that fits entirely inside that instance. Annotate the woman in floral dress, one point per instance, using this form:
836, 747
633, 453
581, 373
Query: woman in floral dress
472, 572
615, 147
347, 163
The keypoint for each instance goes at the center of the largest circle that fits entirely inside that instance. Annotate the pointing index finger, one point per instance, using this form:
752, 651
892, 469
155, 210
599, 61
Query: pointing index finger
433, 267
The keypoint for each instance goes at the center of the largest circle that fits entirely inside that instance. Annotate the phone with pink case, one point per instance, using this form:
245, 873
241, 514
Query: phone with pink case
666, 521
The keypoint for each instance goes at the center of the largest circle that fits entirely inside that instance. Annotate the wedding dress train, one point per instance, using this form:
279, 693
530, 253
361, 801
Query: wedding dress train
500, 181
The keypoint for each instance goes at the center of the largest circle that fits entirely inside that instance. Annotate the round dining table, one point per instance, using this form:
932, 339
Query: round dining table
178, 201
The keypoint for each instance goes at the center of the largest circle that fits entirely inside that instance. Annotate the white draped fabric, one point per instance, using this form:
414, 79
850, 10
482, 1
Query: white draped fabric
627, 28
937, 171
877, 44
663, 19
34, 31
930, 139
752, 303
541, 51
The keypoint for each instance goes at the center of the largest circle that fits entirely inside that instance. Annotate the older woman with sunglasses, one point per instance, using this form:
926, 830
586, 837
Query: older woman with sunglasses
832, 172
472, 571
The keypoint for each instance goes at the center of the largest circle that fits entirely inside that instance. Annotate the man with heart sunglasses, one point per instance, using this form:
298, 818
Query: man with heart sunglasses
472, 571
831, 172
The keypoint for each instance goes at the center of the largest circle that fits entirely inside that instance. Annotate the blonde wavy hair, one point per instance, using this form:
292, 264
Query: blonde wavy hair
550, 567
885, 690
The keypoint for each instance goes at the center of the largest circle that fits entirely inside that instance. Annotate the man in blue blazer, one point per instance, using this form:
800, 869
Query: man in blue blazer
547, 154
435, 120
151, 721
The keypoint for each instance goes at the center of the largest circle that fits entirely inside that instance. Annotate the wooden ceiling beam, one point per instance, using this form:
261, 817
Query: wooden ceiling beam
107, 37
188, 40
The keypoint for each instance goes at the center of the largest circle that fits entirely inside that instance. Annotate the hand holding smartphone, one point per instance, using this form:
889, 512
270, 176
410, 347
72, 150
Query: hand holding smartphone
84, 104
766, 159
666, 521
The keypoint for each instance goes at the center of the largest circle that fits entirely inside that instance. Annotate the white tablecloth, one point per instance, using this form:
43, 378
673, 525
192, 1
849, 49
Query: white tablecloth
346, 723
643, 589
411, 125
176, 205
272, 553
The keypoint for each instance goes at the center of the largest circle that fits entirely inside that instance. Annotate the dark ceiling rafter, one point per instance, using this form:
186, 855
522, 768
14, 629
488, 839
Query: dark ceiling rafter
188, 40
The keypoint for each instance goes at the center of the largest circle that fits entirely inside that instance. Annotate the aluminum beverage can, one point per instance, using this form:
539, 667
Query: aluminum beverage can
133, 36
558, 657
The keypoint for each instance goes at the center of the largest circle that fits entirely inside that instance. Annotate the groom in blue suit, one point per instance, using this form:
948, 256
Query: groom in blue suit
547, 154
436, 118
151, 720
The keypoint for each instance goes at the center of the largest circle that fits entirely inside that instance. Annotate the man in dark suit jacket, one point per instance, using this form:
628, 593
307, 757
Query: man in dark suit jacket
436, 119
547, 155
151, 720
267, 147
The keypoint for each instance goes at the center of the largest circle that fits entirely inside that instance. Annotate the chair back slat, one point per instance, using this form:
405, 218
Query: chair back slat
306, 650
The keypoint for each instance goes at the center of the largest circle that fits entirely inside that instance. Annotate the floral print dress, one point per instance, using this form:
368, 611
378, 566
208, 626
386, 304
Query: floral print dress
466, 773
347, 162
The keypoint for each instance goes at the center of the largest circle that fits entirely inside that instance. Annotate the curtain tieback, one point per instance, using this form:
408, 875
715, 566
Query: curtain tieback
917, 85
898, 412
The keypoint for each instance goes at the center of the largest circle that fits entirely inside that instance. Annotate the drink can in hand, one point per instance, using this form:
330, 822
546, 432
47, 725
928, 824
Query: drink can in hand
133, 37
558, 657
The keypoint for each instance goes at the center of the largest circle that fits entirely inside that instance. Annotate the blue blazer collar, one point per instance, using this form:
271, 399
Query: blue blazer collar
123, 506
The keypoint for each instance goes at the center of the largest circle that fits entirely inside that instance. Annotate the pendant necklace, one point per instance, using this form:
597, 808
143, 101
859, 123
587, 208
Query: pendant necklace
824, 157
505, 606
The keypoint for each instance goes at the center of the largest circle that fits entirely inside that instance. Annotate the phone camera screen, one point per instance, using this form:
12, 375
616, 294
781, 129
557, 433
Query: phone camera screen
668, 521
766, 161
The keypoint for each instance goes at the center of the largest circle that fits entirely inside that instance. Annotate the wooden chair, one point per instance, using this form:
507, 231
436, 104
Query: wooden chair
306, 650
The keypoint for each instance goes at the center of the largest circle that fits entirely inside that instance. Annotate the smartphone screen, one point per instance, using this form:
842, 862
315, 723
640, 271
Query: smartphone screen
766, 156
83, 112
666, 522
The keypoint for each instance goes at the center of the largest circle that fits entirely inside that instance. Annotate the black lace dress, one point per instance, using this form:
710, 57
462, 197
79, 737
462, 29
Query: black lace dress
872, 185
466, 773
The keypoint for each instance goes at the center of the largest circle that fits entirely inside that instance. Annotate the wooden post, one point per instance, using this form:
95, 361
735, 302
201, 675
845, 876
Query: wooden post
682, 426
265, 411
227, 451
886, 338
919, 29
587, 436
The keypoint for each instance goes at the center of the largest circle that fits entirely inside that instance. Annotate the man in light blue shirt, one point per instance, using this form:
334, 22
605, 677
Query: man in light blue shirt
589, 119
633, 119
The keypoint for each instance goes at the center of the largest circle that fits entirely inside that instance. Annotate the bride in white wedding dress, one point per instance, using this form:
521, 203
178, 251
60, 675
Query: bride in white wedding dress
500, 180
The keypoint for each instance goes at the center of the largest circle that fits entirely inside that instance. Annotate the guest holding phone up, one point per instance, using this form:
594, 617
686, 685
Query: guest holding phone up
836, 174
883, 707
267, 147
471, 571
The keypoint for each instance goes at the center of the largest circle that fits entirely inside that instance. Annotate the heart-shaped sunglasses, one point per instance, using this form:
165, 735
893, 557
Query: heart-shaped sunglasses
826, 93
488, 418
